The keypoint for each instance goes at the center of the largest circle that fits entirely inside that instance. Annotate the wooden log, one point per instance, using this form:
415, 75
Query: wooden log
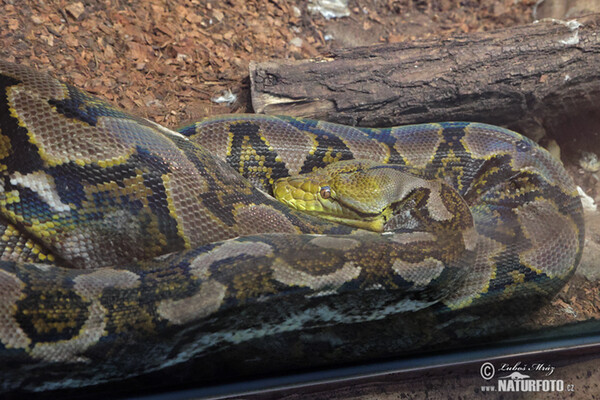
532, 78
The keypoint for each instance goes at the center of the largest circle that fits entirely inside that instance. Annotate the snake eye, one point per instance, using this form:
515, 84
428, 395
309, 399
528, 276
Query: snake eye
325, 192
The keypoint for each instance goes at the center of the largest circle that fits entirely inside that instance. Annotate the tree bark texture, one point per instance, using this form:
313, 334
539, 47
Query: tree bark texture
533, 78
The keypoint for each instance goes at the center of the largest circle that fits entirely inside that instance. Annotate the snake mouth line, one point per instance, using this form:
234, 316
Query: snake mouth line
360, 214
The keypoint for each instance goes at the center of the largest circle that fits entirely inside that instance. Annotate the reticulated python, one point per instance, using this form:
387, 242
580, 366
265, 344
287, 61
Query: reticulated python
128, 248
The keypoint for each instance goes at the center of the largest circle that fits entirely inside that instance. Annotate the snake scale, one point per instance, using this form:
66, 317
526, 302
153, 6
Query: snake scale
128, 248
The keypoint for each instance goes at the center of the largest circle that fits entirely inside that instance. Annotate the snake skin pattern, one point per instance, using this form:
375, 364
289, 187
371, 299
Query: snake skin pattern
127, 248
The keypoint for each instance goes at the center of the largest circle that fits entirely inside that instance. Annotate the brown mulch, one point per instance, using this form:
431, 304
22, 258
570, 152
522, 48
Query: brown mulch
166, 59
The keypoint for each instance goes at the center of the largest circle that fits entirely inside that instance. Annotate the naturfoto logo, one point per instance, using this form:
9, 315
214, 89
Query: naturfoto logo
518, 378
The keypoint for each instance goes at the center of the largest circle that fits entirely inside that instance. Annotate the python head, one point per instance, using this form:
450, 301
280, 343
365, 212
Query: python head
362, 193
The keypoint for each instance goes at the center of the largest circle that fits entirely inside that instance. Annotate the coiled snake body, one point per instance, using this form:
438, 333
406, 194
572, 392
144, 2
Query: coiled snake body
128, 248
